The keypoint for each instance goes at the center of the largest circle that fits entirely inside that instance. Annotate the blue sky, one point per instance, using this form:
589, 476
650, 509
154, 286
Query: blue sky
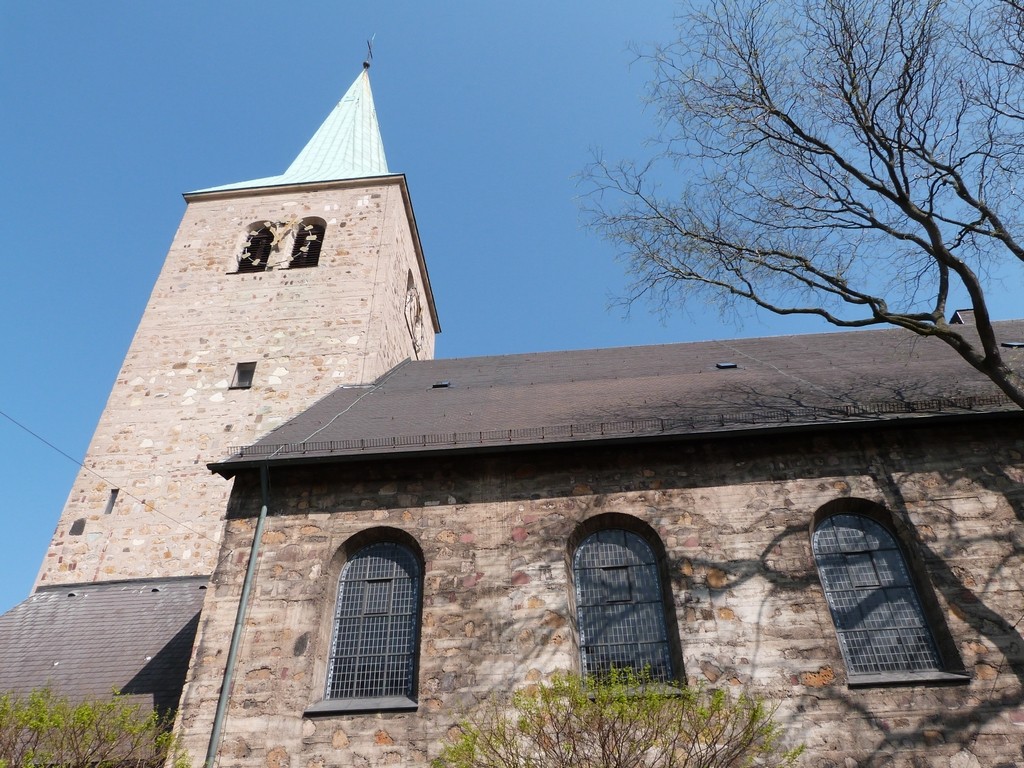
112, 109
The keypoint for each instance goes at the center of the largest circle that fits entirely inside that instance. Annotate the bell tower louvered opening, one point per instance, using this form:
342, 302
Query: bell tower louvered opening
256, 254
309, 239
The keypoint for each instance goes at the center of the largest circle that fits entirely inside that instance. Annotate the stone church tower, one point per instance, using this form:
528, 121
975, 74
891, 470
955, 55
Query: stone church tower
275, 292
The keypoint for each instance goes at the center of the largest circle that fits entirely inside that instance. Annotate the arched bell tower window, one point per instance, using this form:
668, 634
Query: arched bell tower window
256, 253
376, 624
879, 616
620, 605
309, 239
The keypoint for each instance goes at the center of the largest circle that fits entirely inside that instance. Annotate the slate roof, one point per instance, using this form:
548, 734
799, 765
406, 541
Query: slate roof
346, 146
553, 398
86, 640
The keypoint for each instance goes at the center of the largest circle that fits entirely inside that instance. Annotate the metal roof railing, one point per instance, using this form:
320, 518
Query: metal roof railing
624, 428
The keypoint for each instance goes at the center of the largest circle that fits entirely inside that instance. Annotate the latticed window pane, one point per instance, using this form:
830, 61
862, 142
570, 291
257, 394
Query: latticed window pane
651, 657
615, 583
308, 241
620, 609
378, 594
862, 570
876, 610
375, 624
257, 251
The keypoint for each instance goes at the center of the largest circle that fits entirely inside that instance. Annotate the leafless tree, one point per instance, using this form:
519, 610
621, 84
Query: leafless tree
857, 160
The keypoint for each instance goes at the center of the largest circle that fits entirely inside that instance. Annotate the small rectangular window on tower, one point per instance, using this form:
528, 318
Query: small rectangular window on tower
243, 376
110, 501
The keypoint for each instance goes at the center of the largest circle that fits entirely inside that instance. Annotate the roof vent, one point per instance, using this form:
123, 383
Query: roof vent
963, 317
1013, 344
72, 594
721, 366
156, 589
441, 385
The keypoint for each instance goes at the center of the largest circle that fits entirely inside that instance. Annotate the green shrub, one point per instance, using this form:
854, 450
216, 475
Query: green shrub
621, 720
45, 730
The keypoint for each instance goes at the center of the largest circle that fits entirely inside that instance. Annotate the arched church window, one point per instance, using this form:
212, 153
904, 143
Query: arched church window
376, 622
620, 605
309, 239
256, 253
875, 606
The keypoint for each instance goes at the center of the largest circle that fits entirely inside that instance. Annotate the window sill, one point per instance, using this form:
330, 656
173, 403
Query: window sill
361, 706
668, 690
908, 678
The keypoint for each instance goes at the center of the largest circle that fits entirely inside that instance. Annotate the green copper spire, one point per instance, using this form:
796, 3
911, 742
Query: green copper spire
346, 146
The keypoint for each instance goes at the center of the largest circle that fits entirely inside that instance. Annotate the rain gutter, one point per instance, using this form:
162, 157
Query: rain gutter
236, 635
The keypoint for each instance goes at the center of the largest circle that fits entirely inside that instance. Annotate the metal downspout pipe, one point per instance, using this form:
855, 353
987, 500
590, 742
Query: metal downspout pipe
236, 635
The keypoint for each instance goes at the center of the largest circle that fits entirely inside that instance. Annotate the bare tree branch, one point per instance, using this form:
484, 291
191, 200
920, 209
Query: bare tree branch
857, 161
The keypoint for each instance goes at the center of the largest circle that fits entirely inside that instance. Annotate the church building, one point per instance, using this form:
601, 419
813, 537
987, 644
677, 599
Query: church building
319, 546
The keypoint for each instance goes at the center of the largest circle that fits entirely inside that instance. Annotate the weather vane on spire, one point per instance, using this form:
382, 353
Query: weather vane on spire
369, 51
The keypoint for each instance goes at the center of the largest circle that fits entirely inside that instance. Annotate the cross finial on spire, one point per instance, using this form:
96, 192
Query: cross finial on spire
369, 52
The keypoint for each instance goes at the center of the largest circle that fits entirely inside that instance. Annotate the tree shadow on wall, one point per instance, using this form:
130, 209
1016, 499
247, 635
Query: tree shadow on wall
960, 716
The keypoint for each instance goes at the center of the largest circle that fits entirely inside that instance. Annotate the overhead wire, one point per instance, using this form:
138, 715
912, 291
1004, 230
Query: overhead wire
96, 474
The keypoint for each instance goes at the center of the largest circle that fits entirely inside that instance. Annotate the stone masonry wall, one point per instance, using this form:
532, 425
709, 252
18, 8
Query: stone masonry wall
171, 409
734, 517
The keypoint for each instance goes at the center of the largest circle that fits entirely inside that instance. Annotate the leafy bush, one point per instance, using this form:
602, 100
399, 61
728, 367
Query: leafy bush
45, 730
622, 720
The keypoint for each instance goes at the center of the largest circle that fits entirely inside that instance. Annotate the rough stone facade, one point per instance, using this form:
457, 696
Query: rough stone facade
734, 516
361, 311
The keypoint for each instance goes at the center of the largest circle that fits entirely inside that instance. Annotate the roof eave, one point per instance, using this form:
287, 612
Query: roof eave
305, 186
231, 467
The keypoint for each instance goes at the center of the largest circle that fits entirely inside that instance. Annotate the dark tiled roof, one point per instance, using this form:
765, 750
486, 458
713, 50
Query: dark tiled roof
629, 392
87, 640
